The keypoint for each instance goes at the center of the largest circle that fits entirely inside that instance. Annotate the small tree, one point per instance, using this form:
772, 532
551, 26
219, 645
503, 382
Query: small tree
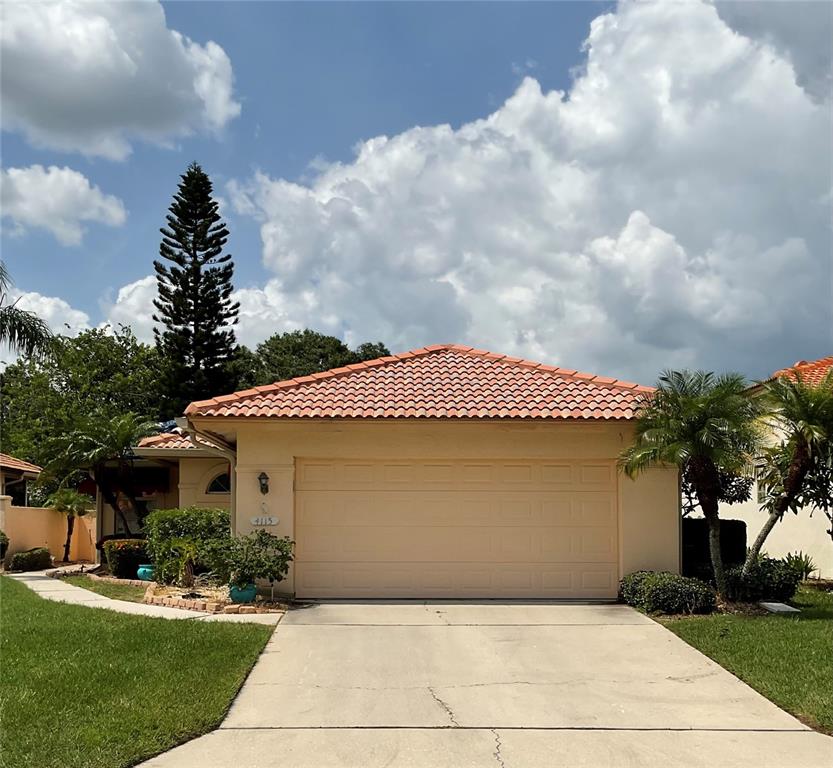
94, 444
704, 425
73, 504
194, 304
796, 473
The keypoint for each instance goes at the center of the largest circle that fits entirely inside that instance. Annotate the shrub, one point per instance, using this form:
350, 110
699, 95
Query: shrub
124, 556
4, 544
32, 560
260, 555
768, 579
208, 530
664, 592
802, 564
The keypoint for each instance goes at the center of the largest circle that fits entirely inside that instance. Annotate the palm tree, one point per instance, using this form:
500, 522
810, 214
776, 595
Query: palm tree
796, 472
98, 442
73, 504
704, 424
23, 332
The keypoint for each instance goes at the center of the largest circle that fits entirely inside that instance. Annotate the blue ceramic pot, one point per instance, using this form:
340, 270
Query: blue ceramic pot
245, 595
145, 572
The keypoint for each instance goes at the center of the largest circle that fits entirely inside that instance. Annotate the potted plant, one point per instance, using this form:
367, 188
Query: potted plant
260, 555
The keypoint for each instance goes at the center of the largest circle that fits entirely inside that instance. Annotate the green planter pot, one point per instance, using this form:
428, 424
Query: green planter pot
245, 595
145, 572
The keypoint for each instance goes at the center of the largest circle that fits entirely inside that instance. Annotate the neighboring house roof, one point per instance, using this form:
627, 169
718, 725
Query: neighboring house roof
18, 465
811, 372
172, 441
440, 381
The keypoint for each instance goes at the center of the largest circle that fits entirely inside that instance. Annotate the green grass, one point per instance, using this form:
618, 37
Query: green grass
94, 688
108, 589
789, 659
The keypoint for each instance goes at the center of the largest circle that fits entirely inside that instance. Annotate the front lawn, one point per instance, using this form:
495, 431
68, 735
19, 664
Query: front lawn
789, 659
108, 589
94, 688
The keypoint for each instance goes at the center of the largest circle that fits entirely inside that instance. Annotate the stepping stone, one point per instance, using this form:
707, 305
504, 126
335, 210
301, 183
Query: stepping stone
779, 608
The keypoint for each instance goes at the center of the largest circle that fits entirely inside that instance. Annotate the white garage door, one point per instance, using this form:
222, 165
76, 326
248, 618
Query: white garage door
420, 529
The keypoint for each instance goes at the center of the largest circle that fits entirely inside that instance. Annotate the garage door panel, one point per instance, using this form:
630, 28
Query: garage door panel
391, 528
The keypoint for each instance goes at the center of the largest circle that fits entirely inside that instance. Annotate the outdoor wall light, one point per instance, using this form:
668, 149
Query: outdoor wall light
263, 479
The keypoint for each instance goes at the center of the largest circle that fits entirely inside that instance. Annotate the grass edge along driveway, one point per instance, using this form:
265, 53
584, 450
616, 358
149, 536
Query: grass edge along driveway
90, 687
788, 659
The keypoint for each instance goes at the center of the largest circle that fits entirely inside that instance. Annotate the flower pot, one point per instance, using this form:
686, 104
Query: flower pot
245, 594
145, 572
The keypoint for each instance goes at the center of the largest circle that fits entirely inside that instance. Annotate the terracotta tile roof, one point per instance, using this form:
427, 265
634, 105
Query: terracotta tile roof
440, 381
811, 372
10, 462
170, 441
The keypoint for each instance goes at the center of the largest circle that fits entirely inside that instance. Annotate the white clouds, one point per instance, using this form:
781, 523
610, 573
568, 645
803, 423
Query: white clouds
91, 77
57, 313
58, 200
134, 307
672, 209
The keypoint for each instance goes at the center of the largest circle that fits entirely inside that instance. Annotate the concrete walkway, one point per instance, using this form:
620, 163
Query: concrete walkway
56, 589
511, 685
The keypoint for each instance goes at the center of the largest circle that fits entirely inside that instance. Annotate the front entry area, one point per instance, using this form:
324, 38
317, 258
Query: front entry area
496, 528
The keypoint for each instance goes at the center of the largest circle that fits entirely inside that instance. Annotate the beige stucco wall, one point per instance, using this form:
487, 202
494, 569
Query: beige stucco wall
648, 508
194, 477
794, 533
29, 527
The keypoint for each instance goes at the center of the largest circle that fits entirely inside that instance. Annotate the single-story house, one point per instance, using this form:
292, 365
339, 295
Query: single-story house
808, 530
15, 475
444, 472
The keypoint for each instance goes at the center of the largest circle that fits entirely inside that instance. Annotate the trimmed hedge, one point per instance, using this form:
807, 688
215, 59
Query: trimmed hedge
36, 559
768, 579
697, 561
124, 556
664, 592
209, 530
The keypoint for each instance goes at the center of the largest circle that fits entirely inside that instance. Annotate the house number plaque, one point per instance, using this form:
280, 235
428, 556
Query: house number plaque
263, 520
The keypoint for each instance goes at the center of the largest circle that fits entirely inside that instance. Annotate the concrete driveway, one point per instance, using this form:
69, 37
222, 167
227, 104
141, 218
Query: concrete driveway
511, 685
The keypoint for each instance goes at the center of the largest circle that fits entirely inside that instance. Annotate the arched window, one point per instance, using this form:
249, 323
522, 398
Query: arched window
220, 484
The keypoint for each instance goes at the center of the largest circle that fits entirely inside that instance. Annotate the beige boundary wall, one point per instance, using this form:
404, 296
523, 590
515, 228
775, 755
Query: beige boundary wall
647, 508
29, 527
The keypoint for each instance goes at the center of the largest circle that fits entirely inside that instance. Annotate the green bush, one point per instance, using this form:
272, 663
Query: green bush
124, 556
664, 592
208, 530
36, 559
259, 555
768, 579
4, 544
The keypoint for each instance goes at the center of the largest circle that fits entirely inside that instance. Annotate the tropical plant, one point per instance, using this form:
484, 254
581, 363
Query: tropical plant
93, 445
795, 473
23, 332
802, 563
703, 424
259, 555
194, 308
73, 504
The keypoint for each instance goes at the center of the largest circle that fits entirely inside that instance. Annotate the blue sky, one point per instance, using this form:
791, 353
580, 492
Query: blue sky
588, 184
313, 79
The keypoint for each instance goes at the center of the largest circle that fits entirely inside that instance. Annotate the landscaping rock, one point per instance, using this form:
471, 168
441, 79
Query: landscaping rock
248, 609
231, 609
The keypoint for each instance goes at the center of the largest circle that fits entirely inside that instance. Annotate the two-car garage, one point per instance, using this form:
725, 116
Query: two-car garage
455, 528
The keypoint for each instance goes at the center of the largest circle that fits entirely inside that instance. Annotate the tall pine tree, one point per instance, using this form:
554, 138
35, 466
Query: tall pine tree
194, 305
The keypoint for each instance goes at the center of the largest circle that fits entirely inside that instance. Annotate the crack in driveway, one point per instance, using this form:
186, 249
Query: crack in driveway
498, 745
444, 706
